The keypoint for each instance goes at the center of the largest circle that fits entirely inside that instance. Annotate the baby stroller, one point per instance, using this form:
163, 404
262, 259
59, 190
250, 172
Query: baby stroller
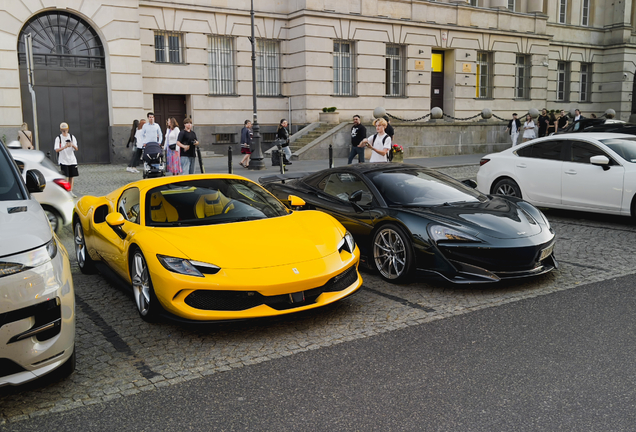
153, 160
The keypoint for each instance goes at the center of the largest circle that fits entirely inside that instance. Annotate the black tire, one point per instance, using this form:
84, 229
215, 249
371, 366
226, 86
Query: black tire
507, 187
84, 260
143, 292
393, 254
54, 218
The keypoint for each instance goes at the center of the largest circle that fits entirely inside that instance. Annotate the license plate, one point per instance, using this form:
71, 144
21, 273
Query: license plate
546, 252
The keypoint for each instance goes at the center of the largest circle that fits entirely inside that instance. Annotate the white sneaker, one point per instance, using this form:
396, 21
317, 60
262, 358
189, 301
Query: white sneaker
135, 170
129, 169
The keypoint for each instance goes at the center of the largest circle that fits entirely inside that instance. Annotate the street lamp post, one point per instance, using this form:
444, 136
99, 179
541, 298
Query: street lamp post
256, 160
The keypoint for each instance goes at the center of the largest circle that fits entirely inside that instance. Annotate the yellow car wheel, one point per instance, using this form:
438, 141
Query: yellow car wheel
147, 303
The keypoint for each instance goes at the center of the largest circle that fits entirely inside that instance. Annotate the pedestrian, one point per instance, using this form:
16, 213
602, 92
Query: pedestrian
544, 123
528, 129
552, 123
282, 135
380, 142
187, 141
389, 129
151, 132
137, 146
358, 134
514, 126
562, 122
66, 146
25, 137
577, 115
246, 143
173, 154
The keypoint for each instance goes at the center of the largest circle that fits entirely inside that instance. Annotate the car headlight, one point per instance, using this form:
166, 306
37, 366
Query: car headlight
187, 267
17, 263
442, 233
347, 243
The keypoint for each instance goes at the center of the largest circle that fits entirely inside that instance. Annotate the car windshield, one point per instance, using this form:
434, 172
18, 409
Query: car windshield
624, 147
412, 187
9, 183
209, 202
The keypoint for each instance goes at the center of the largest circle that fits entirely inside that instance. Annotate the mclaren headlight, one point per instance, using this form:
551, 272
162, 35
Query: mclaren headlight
17, 263
187, 267
347, 243
447, 234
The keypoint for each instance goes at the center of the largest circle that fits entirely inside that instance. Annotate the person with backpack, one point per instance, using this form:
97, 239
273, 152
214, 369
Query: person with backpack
380, 142
65, 147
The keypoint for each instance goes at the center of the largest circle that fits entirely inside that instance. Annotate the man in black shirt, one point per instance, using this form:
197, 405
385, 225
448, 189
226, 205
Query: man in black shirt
187, 142
544, 122
358, 133
562, 123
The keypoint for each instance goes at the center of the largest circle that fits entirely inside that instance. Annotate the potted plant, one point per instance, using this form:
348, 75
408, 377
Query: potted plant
329, 115
398, 153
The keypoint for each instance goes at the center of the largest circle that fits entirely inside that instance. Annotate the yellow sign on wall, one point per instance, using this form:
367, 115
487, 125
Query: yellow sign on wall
467, 67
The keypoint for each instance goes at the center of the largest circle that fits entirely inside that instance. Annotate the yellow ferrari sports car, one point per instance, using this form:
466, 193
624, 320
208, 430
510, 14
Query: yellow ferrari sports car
214, 247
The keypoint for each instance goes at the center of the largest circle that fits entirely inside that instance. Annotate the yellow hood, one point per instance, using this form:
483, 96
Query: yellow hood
297, 237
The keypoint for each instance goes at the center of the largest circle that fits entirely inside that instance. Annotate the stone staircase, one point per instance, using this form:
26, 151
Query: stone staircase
309, 137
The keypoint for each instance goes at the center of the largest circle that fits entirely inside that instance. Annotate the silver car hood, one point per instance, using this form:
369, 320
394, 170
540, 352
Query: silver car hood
23, 226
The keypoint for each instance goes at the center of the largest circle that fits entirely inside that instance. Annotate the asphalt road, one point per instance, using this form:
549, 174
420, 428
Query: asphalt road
562, 361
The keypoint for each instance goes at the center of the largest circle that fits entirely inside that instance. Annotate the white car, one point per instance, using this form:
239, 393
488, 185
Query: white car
56, 199
37, 299
594, 172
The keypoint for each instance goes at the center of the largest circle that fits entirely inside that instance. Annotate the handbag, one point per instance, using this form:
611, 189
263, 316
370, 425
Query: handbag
172, 147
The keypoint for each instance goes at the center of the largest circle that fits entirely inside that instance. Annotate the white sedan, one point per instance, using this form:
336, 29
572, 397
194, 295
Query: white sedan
594, 172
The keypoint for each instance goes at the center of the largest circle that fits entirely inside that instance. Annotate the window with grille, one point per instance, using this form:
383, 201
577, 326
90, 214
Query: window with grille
484, 75
395, 70
267, 67
563, 81
586, 82
511, 5
563, 9
585, 12
522, 77
221, 66
343, 68
168, 47
225, 138
269, 137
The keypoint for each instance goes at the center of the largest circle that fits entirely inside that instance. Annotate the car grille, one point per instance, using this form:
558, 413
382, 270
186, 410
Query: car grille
47, 320
9, 367
243, 300
495, 259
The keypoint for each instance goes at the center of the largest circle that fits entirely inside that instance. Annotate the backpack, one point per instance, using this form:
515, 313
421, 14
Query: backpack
389, 155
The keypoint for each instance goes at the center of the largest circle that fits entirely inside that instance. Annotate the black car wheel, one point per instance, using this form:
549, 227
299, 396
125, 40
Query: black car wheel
507, 187
145, 299
84, 261
54, 218
392, 253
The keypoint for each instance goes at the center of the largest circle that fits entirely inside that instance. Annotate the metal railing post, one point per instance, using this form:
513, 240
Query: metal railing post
229, 160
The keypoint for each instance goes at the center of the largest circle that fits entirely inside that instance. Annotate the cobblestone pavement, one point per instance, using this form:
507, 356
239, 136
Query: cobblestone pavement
120, 355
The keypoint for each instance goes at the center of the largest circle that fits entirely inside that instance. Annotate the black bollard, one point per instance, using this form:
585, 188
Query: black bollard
331, 165
282, 162
229, 160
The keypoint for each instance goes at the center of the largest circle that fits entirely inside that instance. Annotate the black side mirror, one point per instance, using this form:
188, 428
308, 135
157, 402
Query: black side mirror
35, 181
470, 183
355, 197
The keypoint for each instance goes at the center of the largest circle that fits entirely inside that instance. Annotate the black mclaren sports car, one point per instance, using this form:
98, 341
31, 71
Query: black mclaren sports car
414, 221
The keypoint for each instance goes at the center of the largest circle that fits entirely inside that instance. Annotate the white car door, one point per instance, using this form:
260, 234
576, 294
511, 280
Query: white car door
538, 170
587, 186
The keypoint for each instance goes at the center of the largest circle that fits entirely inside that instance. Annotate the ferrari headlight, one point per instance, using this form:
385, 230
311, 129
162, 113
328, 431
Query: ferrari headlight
187, 267
17, 263
347, 243
442, 233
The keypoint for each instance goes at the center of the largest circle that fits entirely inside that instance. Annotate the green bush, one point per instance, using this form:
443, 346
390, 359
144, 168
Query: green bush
325, 109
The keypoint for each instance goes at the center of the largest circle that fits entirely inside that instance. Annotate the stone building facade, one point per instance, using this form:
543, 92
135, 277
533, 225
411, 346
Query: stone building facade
101, 65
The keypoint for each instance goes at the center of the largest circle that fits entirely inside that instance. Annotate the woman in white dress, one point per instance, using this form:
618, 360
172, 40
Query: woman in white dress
528, 129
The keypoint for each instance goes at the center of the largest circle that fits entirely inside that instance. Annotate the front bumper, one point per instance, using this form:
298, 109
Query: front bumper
37, 320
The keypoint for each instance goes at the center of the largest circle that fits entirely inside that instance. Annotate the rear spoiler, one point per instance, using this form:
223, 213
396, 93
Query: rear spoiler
273, 178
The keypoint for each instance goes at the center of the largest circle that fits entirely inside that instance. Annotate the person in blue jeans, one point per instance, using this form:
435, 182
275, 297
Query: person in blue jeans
358, 133
187, 141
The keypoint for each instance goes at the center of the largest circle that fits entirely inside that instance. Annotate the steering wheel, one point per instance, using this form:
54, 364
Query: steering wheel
226, 207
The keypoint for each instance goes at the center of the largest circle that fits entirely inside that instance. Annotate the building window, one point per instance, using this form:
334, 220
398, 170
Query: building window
168, 47
473, 3
268, 67
484, 74
395, 70
343, 68
563, 81
511, 5
586, 82
225, 138
585, 13
221, 66
563, 7
522, 77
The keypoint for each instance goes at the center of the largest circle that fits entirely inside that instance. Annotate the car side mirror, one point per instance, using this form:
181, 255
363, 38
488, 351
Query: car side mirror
356, 196
600, 160
296, 201
116, 221
470, 183
35, 181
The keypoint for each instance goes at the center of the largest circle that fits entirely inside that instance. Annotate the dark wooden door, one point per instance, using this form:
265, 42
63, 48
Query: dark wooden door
167, 106
437, 80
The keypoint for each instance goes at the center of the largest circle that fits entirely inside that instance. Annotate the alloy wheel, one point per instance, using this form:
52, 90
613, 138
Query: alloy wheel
141, 283
80, 245
53, 219
389, 253
506, 189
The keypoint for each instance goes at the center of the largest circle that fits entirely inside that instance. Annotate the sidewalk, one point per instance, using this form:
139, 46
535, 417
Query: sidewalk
102, 179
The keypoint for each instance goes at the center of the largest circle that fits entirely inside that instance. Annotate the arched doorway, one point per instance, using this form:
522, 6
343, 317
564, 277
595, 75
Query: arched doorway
70, 83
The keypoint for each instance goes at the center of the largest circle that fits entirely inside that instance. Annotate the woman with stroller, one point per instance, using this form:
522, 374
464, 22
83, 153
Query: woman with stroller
138, 148
172, 151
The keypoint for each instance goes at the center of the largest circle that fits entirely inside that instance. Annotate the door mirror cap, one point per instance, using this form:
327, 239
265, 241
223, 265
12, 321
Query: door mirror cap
599, 160
296, 201
356, 196
35, 181
115, 219
470, 183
